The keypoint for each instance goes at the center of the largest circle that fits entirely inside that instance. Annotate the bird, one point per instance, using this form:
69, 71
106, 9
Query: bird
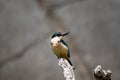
60, 47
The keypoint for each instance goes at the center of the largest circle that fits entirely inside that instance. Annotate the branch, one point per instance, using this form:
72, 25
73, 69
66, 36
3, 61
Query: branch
101, 74
67, 69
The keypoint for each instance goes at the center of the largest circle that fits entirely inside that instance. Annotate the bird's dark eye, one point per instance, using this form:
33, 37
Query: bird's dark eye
58, 34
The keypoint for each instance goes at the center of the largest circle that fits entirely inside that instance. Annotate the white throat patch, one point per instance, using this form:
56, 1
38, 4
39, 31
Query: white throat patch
55, 39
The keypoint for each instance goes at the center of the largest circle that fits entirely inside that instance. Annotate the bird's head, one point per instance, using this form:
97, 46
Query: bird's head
56, 38
59, 34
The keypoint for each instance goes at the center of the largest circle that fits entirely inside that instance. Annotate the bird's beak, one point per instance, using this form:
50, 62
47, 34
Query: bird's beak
64, 34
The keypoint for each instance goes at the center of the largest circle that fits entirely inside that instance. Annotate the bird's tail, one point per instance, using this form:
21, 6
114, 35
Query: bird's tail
70, 62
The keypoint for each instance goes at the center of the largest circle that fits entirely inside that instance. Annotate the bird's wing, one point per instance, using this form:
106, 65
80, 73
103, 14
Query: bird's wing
69, 53
67, 46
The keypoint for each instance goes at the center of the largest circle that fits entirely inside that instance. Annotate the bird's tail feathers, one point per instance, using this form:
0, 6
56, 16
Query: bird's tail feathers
71, 63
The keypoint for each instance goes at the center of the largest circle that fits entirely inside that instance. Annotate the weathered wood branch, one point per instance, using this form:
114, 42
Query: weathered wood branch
67, 69
101, 74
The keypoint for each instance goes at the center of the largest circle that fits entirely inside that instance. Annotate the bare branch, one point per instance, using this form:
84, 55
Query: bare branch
101, 74
67, 69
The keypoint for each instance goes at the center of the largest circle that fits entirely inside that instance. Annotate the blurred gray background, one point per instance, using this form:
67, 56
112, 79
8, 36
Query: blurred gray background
27, 25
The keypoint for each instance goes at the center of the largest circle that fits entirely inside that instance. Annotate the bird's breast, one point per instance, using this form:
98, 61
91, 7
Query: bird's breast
56, 47
59, 49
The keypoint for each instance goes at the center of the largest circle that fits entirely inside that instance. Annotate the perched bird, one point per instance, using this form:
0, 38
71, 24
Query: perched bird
59, 46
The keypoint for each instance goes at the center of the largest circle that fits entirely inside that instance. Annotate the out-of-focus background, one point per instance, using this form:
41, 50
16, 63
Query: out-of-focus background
27, 25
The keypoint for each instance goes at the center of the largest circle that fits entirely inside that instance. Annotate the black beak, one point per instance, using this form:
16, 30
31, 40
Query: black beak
64, 34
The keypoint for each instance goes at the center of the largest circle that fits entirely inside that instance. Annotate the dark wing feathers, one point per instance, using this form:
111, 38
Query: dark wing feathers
68, 53
67, 46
